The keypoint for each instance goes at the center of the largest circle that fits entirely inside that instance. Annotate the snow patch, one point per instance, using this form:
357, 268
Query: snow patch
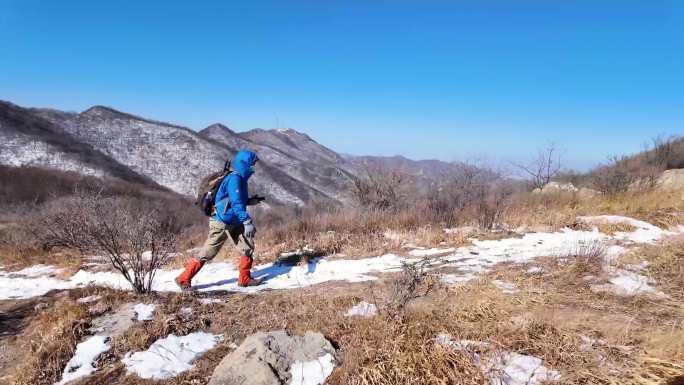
32, 271
186, 310
447, 341
363, 309
209, 301
465, 230
430, 252
638, 267
88, 299
21, 288
502, 368
170, 356
144, 312
627, 284
452, 279
223, 276
312, 372
518, 369
644, 233
469, 260
82, 364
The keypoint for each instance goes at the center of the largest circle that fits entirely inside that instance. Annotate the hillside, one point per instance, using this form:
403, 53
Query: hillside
177, 157
289, 154
28, 139
104, 142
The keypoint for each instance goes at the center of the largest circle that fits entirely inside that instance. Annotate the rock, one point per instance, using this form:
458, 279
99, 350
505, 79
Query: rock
556, 187
671, 180
267, 359
115, 323
98, 309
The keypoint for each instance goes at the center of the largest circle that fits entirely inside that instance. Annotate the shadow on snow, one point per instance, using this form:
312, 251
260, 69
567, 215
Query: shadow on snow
267, 273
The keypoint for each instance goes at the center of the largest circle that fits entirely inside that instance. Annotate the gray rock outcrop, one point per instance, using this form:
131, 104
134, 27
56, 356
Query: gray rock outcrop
268, 359
671, 180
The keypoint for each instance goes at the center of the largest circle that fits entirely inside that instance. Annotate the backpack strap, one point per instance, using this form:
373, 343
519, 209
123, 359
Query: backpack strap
227, 199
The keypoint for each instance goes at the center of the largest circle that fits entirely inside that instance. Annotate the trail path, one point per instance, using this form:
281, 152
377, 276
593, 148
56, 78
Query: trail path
468, 261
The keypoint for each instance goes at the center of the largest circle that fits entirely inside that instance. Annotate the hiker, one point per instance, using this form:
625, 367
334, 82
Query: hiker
230, 220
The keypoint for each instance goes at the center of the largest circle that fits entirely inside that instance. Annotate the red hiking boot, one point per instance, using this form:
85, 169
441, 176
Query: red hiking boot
245, 278
184, 279
251, 282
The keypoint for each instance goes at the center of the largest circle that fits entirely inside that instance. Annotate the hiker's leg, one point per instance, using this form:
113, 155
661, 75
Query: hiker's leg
246, 248
217, 236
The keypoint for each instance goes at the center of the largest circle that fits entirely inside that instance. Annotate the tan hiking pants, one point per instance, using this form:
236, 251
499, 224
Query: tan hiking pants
218, 233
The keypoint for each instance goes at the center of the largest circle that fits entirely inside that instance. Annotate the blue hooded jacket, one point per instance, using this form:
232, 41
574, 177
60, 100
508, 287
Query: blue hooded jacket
232, 195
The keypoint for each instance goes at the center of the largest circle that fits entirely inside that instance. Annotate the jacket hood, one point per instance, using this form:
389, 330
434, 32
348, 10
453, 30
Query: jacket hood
243, 162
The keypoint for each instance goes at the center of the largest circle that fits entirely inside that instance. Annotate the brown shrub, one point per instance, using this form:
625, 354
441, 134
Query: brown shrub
380, 188
413, 282
137, 236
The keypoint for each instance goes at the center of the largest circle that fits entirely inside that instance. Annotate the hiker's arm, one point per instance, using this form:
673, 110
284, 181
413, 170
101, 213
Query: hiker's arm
238, 200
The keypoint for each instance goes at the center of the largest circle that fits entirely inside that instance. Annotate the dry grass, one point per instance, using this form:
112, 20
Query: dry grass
558, 211
612, 228
666, 265
168, 320
52, 339
545, 319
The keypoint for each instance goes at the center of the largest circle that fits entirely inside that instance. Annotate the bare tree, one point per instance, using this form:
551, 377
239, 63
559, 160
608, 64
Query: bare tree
471, 191
665, 153
379, 189
543, 168
615, 177
137, 236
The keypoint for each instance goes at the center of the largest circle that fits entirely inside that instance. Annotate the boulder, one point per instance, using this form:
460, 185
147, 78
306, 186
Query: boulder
274, 358
555, 187
671, 180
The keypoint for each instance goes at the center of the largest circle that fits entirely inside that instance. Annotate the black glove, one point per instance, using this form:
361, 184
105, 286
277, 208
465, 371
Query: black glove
255, 200
249, 230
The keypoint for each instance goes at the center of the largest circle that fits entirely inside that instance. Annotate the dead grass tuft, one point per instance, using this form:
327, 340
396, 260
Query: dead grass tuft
168, 320
612, 228
586, 257
52, 340
666, 266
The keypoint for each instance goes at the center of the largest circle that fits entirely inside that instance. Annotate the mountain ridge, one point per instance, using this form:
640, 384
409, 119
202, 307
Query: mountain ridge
297, 170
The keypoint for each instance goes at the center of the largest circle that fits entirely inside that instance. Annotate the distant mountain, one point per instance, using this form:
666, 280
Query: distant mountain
431, 169
172, 155
289, 154
27, 138
101, 141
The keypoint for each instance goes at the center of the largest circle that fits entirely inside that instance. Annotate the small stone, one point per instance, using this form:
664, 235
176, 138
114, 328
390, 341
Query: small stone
98, 309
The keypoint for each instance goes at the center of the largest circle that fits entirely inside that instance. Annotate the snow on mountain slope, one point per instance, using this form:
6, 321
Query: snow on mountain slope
27, 139
101, 141
301, 159
173, 156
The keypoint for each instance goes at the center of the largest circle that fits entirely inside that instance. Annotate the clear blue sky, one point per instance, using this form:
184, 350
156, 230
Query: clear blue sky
426, 79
